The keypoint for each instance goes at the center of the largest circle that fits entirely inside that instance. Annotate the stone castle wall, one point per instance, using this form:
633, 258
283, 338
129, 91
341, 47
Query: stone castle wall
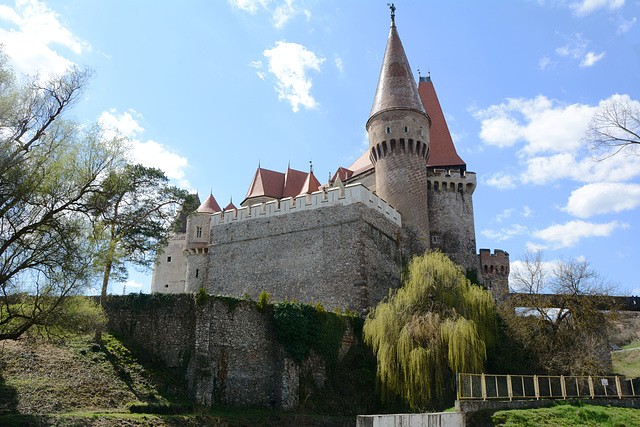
224, 351
495, 271
451, 216
346, 256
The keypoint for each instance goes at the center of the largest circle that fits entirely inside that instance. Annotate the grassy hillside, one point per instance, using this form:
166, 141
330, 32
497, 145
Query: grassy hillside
75, 382
560, 415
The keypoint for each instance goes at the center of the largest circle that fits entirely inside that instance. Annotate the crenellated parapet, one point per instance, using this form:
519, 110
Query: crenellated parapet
349, 194
495, 270
451, 180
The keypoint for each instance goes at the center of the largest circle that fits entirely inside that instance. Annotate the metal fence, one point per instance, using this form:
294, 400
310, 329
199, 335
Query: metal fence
485, 386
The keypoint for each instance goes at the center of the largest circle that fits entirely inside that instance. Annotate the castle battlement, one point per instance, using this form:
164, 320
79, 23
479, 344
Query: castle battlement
451, 180
352, 193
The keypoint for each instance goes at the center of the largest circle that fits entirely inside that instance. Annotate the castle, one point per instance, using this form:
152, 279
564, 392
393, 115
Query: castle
343, 243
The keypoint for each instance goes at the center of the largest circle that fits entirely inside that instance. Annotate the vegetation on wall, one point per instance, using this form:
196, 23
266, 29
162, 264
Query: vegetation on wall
302, 327
437, 324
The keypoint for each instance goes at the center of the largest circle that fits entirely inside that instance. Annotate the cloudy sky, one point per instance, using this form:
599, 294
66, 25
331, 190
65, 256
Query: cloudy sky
208, 90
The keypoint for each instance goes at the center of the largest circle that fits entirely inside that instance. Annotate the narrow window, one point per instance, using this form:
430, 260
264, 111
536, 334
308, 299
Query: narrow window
197, 271
198, 231
406, 129
388, 129
168, 259
421, 132
434, 239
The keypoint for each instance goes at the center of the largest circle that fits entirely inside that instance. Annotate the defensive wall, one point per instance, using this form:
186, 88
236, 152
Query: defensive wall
343, 247
224, 350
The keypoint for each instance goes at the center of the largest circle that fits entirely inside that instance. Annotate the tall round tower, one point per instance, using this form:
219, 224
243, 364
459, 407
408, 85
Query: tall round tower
398, 130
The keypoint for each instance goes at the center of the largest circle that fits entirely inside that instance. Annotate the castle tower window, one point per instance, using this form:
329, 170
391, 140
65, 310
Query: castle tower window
197, 271
406, 129
421, 132
198, 231
388, 129
434, 239
168, 259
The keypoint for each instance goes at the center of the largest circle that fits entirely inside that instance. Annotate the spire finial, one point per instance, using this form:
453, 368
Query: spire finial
310, 166
393, 11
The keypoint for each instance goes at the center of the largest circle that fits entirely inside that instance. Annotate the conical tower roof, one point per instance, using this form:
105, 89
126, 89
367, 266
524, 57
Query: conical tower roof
443, 152
310, 185
397, 90
209, 205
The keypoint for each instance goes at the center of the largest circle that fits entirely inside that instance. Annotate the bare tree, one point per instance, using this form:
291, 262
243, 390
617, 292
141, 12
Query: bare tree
615, 128
558, 315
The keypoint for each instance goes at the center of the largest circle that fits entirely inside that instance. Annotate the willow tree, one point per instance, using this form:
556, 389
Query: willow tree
437, 324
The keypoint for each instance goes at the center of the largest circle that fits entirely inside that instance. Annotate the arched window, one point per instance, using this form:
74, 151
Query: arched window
388, 129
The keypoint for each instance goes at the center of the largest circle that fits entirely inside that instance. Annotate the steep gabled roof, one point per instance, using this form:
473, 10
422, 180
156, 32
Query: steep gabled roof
442, 151
209, 205
293, 182
342, 173
310, 184
266, 183
230, 207
397, 88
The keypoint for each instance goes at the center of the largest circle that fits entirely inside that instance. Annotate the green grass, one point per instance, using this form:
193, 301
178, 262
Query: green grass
627, 363
633, 344
561, 415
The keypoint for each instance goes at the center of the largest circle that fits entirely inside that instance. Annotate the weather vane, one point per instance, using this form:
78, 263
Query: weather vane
393, 11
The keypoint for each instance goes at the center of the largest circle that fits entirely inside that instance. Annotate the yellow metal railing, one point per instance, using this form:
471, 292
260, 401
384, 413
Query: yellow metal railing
487, 386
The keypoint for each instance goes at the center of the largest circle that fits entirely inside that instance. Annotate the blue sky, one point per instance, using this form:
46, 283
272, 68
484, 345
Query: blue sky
207, 90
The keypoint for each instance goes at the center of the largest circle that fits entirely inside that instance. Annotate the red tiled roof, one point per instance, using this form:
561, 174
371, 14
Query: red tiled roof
342, 173
230, 207
293, 182
396, 86
443, 152
209, 205
277, 185
310, 185
266, 183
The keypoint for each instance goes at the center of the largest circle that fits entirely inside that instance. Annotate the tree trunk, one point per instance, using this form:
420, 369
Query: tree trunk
103, 295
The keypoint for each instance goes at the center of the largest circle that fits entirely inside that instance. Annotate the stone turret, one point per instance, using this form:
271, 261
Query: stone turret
398, 128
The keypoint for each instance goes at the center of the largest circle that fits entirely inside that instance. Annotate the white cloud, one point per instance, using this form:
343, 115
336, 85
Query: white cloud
502, 181
624, 25
30, 33
544, 63
123, 124
541, 123
543, 170
575, 48
505, 233
337, 61
281, 12
289, 63
132, 284
149, 153
504, 215
591, 58
526, 211
601, 198
535, 247
585, 7
250, 6
570, 233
